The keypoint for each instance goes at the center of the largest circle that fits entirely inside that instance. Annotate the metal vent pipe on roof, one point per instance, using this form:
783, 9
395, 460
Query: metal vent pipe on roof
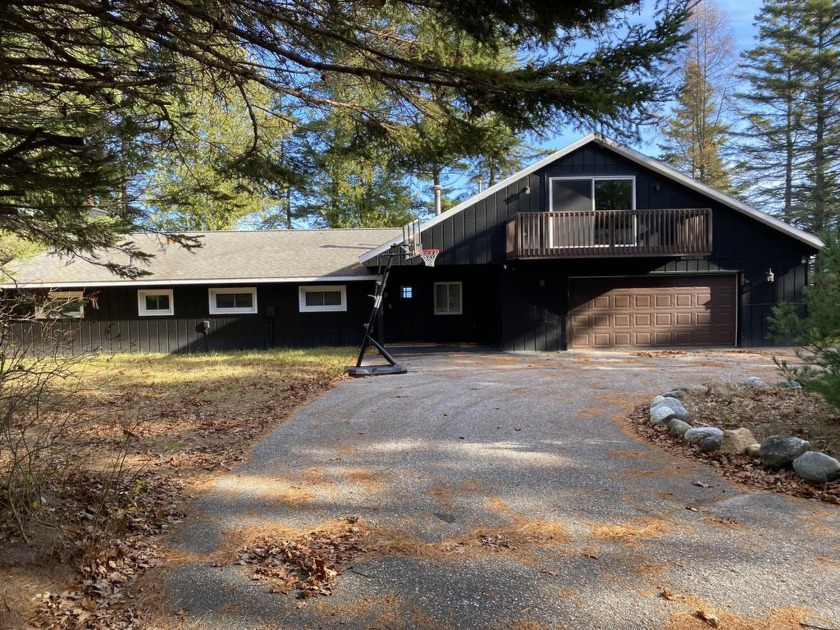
437, 188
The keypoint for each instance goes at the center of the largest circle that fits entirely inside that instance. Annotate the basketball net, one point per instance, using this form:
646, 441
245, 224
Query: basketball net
429, 256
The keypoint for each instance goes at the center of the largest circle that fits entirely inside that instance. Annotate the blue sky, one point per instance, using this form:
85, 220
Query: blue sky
741, 15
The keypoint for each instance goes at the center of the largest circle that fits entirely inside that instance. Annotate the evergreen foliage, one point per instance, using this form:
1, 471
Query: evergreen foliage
696, 132
817, 334
791, 144
92, 92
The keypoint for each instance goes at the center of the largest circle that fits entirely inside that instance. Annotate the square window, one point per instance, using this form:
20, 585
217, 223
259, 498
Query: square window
233, 301
322, 299
406, 292
448, 298
151, 302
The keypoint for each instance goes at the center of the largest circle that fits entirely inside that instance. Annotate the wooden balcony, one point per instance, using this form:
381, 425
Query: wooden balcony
609, 233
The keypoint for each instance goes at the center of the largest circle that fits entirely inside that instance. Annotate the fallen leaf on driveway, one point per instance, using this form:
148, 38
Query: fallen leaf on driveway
701, 484
708, 617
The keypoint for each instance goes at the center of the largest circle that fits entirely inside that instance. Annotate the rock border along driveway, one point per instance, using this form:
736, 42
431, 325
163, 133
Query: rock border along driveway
502, 491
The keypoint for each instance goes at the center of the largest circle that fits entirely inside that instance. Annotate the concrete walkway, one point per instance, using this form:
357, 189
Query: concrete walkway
502, 491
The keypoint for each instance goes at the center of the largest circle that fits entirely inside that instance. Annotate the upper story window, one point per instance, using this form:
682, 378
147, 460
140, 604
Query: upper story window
585, 194
61, 305
152, 302
233, 301
319, 299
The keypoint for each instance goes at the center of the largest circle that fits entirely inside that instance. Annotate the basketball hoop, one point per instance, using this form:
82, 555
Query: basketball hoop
429, 255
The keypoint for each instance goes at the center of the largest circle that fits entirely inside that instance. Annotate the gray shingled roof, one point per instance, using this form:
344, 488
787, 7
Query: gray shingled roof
226, 257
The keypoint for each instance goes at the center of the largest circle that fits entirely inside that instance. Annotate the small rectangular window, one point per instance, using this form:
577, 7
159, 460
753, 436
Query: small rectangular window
406, 292
234, 301
62, 305
151, 302
320, 299
448, 298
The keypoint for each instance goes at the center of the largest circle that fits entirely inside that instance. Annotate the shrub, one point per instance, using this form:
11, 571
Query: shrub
817, 334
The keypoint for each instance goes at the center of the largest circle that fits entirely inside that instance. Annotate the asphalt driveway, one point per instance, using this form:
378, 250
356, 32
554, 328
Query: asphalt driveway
502, 491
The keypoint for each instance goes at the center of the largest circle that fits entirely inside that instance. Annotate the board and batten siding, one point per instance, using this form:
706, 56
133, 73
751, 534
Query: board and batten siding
533, 313
116, 327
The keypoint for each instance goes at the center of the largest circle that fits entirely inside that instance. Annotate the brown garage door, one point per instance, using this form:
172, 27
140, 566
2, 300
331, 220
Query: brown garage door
650, 312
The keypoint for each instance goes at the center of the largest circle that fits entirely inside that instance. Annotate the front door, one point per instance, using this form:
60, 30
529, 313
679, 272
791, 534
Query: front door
403, 322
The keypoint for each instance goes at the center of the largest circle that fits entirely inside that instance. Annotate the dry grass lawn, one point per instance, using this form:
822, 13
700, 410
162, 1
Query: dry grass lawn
143, 431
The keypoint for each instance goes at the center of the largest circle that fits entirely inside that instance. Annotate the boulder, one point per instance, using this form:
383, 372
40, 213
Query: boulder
709, 444
788, 385
660, 415
677, 427
679, 394
779, 451
698, 434
754, 450
736, 441
757, 383
817, 467
679, 410
656, 400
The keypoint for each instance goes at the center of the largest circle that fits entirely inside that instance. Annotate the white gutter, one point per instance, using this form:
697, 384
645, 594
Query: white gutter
140, 282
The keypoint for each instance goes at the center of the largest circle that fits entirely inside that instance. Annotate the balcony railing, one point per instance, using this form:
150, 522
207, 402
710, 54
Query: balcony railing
608, 233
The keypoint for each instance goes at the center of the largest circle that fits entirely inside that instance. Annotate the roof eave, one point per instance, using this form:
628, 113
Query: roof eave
667, 171
483, 195
141, 282
635, 156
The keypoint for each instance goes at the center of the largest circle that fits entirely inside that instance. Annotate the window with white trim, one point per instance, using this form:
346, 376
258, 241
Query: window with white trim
233, 301
152, 302
448, 298
61, 305
323, 299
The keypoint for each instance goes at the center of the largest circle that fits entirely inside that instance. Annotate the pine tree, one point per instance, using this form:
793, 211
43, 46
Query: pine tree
792, 106
86, 87
696, 131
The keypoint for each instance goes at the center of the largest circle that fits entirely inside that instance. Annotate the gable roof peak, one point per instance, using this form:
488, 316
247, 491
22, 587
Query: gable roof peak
632, 155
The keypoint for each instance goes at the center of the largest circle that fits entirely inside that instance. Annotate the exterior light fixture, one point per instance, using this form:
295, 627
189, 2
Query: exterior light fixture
526, 190
770, 277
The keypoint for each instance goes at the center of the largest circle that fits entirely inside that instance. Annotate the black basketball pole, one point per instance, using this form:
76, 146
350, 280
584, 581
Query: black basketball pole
369, 340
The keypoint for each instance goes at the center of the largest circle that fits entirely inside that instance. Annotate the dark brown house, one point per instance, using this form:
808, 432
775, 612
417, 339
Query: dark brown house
595, 246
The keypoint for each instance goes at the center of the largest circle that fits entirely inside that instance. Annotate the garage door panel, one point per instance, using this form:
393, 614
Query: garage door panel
684, 300
663, 319
602, 340
652, 311
643, 339
642, 319
684, 319
664, 338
